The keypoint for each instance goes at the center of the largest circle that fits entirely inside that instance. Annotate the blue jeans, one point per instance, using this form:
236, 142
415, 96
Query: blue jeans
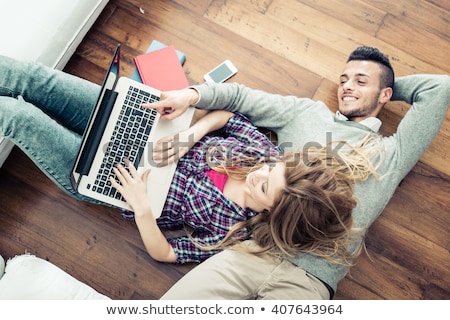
44, 112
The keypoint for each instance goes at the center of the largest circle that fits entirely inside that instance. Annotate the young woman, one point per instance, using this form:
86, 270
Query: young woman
201, 197
222, 184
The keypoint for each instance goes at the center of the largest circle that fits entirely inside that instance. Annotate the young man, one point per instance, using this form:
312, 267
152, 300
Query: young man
366, 85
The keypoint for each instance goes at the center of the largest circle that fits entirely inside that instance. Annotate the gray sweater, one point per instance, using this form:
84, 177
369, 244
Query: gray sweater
298, 122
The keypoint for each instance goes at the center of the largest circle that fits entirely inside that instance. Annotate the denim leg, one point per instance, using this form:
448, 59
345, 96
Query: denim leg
31, 95
64, 97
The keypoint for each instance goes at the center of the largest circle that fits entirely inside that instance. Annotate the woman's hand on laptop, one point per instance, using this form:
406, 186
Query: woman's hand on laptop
174, 103
171, 148
132, 186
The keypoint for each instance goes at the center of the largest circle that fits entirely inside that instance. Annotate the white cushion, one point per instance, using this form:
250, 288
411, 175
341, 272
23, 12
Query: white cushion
28, 277
47, 31
2, 266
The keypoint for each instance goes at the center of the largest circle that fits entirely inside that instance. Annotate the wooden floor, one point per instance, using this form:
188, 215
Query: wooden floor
281, 46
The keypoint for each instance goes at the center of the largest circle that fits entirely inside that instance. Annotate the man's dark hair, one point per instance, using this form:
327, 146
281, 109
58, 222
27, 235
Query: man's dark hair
373, 54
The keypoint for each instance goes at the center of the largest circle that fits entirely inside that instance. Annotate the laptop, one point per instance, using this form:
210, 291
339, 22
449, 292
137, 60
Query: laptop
120, 128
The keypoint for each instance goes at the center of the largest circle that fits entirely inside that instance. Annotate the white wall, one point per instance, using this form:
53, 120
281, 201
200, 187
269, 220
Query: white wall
47, 31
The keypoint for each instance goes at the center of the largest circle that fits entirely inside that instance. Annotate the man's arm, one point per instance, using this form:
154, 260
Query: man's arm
271, 111
429, 96
267, 110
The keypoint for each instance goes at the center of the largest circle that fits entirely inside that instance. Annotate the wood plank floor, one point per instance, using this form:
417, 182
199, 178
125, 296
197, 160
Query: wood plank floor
281, 46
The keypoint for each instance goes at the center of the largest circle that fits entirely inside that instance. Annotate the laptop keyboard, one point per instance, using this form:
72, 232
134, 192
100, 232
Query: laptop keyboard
128, 139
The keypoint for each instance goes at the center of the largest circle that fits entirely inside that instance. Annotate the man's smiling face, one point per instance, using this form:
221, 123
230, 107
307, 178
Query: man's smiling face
359, 92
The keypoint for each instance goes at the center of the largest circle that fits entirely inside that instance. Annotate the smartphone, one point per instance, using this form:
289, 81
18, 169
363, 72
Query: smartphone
221, 73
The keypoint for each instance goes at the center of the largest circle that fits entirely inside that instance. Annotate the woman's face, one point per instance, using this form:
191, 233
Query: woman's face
264, 185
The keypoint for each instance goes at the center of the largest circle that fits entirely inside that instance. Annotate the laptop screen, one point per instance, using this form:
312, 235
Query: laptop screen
97, 120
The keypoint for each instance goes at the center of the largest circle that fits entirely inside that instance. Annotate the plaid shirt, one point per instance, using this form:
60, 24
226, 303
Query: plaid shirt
195, 201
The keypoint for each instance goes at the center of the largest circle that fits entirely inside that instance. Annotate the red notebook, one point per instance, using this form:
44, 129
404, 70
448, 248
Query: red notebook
161, 69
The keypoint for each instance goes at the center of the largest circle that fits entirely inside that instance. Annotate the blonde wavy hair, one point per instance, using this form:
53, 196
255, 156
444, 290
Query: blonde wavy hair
313, 213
